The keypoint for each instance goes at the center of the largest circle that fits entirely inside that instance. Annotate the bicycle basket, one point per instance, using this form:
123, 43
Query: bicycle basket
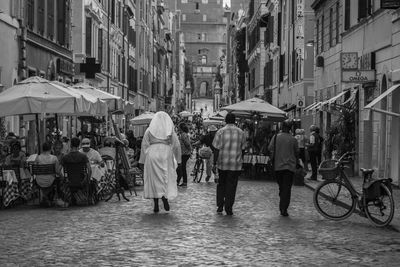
205, 152
328, 169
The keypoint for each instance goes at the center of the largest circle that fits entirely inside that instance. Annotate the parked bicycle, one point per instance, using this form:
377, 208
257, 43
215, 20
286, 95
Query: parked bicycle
336, 198
198, 168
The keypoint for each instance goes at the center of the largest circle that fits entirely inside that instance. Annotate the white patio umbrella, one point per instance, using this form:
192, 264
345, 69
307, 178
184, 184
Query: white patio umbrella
91, 106
143, 119
115, 103
209, 122
37, 95
185, 114
256, 106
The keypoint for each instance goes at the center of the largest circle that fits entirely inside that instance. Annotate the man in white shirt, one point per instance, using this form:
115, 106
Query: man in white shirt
93, 156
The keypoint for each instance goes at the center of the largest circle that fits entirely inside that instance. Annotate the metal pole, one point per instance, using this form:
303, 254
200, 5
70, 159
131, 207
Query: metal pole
37, 132
108, 46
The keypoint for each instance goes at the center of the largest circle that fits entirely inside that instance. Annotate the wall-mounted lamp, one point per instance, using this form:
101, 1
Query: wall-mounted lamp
310, 43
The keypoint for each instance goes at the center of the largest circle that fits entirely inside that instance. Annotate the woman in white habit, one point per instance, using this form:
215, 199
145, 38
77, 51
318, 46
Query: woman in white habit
160, 154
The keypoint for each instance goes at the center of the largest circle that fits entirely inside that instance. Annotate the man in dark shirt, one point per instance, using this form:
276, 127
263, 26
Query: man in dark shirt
75, 156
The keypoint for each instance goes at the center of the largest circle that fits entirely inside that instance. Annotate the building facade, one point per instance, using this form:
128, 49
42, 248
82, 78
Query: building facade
204, 32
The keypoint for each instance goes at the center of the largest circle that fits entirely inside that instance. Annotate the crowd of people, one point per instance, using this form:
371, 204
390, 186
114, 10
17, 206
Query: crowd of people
165, 149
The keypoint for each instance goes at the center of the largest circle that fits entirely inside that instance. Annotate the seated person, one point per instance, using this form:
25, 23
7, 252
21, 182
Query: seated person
45, 181
76, 157
107, 149
17, 157
58, 150
93, 156
130, 154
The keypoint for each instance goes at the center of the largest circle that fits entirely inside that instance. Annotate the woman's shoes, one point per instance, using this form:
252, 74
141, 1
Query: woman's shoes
166, 204
156, 209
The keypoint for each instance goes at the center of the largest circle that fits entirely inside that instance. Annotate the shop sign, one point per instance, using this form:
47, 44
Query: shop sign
64, 66
358, 76
390, 4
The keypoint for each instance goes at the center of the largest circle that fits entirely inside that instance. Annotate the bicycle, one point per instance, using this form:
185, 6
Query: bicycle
198, 168
336, 198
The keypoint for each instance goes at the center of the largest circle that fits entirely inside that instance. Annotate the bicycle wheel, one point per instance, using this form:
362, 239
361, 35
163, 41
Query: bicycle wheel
195, 170
334, 200
380, 210
199, 174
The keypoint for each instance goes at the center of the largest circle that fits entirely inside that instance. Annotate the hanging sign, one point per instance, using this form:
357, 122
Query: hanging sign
358, 76
390, 4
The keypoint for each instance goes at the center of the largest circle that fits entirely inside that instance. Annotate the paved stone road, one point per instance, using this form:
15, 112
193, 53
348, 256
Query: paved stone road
193, 234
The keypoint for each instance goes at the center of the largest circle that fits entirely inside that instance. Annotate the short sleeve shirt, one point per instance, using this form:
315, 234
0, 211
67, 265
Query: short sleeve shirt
92, 155
74, 157
230, 141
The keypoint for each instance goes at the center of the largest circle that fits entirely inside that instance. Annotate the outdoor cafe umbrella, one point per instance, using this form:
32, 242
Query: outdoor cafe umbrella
143, 119
209, 122
256, 107
37, 95
185, 113
115, 103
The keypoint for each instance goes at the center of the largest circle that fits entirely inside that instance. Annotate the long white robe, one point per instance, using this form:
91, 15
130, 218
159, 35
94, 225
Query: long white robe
160, 158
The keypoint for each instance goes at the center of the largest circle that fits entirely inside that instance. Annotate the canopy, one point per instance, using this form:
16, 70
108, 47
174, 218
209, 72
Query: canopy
91, 105
256, 106
207, 123
143, 119
114, 102
38, 95
185, 113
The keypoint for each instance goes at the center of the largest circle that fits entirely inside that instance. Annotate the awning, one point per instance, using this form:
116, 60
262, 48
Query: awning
351, 98
370, 107
333, 99
313, 106
290, 108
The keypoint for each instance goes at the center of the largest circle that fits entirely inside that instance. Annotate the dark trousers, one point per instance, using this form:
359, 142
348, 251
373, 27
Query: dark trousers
285, 181
314, 163
226, 188
182, 171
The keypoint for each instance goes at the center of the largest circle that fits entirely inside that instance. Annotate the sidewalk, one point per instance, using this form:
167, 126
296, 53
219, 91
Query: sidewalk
357, 182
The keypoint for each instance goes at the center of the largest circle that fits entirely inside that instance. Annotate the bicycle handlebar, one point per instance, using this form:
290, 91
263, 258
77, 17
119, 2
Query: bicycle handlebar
345, 155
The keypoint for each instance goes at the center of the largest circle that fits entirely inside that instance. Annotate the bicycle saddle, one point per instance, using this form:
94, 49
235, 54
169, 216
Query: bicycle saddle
367, 171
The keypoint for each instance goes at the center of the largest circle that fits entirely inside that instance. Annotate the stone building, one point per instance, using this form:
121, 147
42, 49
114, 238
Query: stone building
204, 29
10, 14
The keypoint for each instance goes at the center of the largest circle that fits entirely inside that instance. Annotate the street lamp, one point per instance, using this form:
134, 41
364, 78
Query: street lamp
188, 96
217, 93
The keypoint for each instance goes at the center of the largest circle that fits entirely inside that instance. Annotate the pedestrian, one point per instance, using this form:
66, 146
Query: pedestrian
229, 143
312, 149
186, 149
319, 146
301, 142
160, 154
207, 141
285, 151
92, 154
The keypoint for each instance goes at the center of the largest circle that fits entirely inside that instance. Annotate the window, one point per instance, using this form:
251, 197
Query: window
204, 37
199, 36
184, 1
61, 22
50, 19
88, 36
322, 33
337, 22
112, 11
204, 59
331, 27
184, 17
100, 45
317, 37
364, 8
204, 17
30, 13
346, 15
40, 17
197, 6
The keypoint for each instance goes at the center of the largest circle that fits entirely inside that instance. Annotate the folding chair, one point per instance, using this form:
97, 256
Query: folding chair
78, 180
44, 169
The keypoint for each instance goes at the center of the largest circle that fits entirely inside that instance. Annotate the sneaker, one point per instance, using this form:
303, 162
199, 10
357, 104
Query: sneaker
183, 184
220, 209
229, 212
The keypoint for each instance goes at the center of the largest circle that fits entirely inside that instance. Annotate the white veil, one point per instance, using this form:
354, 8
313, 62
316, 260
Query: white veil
161, 126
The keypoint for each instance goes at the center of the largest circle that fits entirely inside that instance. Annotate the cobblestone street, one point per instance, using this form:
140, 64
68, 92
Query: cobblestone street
193, 234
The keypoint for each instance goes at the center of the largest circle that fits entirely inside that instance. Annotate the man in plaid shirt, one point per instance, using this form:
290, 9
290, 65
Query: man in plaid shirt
229, 143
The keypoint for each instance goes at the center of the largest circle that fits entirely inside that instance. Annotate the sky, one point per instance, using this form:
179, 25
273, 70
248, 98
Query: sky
227, 2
